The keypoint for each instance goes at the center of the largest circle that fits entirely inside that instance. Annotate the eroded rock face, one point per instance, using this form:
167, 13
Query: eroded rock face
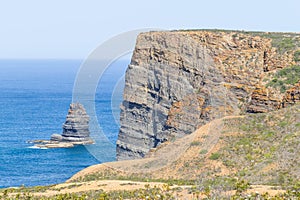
75, 130
292, 96
178, 81
76, 126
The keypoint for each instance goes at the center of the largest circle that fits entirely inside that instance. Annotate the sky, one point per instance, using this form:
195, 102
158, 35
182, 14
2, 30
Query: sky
72, 29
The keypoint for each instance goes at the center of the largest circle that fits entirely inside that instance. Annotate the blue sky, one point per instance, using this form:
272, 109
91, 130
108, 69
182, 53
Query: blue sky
73, 28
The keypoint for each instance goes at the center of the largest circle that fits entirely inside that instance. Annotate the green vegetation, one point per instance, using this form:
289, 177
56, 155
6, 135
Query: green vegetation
286, 44
203, 151
207, 189
284, 78
108, 175
164, 193
266, 149
215, 156
297, 56
241, 186
24, 189
195, 143
147, 193
283, 42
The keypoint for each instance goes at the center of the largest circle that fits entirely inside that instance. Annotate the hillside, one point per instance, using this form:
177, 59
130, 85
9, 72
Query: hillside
259, 148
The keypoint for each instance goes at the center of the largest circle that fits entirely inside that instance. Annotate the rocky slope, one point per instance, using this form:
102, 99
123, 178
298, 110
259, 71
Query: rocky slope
178, 81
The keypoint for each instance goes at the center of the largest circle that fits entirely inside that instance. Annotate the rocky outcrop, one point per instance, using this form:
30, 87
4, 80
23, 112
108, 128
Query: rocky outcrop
75, 130
76, 126
177, 81
292, 96
263, 100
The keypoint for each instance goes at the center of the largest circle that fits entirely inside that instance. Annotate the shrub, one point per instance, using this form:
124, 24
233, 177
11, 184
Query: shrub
195, 143
297, 56
285, 77
241, 186
215, 156
203, 151
284, 45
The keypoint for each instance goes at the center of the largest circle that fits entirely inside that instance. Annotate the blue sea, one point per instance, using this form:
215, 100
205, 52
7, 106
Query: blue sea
34, 99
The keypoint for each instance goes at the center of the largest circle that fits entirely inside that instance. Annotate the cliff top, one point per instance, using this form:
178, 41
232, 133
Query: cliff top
226, 31
280, 40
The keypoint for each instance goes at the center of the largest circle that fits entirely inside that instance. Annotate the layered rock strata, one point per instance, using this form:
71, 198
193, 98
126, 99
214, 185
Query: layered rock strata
76, 126
177, 81
75, 130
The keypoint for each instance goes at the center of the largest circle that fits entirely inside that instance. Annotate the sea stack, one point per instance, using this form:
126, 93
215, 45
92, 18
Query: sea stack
76, 126
75, 130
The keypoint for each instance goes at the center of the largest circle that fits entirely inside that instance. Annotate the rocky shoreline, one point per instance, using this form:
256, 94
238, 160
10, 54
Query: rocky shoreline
58, 144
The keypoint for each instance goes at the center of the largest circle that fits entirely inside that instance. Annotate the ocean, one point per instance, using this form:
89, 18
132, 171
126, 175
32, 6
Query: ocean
34, 99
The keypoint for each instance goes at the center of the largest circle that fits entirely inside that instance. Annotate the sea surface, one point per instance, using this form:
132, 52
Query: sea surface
34, 99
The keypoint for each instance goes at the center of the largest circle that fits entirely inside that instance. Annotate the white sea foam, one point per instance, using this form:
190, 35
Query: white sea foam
35, 147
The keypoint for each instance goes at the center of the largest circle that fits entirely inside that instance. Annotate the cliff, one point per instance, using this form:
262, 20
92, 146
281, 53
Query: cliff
178, 81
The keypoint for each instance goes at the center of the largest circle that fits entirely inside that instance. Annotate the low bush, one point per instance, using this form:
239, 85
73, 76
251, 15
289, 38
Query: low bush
215, 156
286, 77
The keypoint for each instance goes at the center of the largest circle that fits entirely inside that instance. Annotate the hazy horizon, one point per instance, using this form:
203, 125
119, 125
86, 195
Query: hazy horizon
72, 30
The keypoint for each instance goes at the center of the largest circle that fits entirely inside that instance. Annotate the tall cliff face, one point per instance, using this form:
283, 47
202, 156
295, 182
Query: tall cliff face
178, 81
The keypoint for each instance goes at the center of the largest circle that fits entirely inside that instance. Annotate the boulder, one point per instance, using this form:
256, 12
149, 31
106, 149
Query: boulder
56, 137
